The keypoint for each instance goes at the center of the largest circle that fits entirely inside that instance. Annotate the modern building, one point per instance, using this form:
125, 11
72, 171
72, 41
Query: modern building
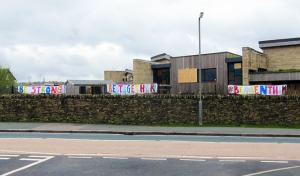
278, 63
179, 75
125, 76
95, 87
155, 71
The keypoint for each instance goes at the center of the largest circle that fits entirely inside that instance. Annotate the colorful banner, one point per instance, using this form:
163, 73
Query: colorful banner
130, 89
257, 90
42, 89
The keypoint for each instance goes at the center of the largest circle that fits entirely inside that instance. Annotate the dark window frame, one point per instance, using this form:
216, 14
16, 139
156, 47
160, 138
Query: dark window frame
235, 76
209, 75
161, 76
82, 90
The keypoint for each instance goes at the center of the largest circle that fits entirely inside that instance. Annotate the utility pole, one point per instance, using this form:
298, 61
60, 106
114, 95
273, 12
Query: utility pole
200, 118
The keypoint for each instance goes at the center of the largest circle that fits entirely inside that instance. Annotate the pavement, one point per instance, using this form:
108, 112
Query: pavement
145, 130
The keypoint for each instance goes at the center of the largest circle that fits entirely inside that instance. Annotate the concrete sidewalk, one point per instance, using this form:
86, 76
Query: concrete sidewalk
145, 130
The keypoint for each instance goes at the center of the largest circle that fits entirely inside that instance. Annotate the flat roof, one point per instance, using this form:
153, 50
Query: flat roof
223, 52
89, 82
234, 59
279, 43
157, 66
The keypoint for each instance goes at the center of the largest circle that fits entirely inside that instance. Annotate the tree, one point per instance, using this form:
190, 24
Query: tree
8, 82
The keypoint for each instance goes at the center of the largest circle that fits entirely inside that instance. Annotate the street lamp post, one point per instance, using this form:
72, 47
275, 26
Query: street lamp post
200, 120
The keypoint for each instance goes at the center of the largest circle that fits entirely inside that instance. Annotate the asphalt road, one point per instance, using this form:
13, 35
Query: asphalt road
135, 155
152, 137
29, 165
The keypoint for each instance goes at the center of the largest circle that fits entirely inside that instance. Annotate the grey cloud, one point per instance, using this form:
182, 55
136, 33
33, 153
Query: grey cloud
138, 28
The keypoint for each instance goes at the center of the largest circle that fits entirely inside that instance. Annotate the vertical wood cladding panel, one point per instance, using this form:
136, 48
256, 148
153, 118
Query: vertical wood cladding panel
215, 60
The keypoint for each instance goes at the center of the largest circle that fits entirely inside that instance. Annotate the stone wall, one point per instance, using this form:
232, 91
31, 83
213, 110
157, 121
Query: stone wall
152, 109
115, 76
252, 60
142, 72
142, 110
252, 110
283, 58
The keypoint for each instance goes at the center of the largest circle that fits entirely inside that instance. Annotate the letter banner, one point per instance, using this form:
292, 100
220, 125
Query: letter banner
257, 89
60, 89
131, 89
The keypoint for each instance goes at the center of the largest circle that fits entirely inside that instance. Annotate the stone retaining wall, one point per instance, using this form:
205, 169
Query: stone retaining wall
151, 109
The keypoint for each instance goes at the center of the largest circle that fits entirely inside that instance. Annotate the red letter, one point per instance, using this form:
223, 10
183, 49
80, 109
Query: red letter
152, 88
275, 90
53, 89
142, 88
270, 88
236, 90
132, 88
34, 89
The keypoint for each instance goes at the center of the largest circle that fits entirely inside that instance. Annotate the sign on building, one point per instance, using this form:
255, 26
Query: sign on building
257, 89
130, 89
60, 89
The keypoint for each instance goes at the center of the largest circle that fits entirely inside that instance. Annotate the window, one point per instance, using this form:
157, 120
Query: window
96, 90
82, 90
208, 75
235, 73
161, 76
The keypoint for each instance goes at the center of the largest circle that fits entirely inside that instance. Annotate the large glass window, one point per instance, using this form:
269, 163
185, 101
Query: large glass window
161, 76
235, 73
209, 74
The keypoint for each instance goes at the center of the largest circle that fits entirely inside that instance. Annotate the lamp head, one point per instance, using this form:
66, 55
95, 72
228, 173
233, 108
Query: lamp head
201, 15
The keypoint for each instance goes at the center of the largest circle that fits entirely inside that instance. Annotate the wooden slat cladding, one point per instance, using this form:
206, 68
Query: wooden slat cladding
188, 75
215, 60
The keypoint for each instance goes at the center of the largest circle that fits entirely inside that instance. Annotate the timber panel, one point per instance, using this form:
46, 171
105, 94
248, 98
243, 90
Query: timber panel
215, 60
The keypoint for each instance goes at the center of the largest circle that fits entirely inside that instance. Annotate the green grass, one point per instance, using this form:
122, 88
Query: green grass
256, 126
237, 126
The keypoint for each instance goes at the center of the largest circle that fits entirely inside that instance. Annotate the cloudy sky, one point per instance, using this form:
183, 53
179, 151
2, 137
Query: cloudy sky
79, 39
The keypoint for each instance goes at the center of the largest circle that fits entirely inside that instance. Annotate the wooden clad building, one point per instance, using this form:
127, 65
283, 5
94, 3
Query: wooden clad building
214, 73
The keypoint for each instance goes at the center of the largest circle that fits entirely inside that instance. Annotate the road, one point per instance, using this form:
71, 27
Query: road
29, 165
86, 154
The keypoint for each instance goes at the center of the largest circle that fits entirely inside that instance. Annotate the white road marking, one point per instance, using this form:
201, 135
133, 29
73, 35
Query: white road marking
29, 159
237, 157
4, 158
81, 154
185, 159
232, 160
109, 157
273, 170
199, 157
80, 157
274, 161
37, 156
9, 155
154, 159
28, 166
